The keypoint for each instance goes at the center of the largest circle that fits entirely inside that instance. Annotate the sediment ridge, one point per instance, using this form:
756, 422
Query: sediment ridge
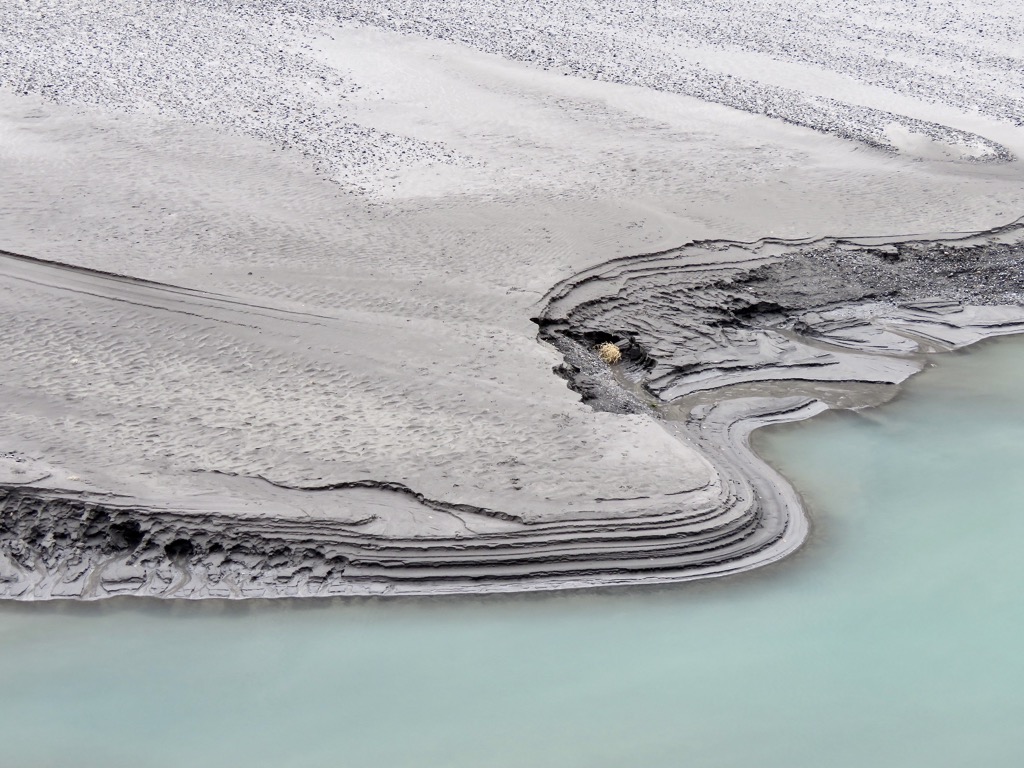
718, 338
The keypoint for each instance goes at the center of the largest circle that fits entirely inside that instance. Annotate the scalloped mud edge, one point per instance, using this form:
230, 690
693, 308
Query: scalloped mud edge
718, 338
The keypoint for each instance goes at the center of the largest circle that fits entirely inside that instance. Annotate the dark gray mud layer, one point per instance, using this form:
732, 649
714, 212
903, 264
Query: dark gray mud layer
718, 338
714, 316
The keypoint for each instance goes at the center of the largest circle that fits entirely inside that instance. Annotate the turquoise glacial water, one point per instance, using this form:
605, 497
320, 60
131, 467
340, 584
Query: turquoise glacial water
894, 638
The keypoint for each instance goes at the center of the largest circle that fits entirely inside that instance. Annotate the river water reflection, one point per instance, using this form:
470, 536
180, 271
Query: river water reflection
892, 639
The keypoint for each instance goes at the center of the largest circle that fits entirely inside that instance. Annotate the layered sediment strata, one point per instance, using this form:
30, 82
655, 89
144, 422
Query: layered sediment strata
60, 543
720, 314
718, 339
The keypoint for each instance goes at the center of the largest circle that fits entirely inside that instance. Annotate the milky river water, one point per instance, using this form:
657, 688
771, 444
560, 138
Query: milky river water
894, 638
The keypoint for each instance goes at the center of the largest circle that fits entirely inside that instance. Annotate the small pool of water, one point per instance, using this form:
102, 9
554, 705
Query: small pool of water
892, 639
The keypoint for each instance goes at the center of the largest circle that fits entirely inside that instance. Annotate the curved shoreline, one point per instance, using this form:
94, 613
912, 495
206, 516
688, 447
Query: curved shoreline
60, 544
754, 326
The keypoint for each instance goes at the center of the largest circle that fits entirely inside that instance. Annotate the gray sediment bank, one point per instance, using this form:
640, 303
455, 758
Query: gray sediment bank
718, 338
714, 315
328, 382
